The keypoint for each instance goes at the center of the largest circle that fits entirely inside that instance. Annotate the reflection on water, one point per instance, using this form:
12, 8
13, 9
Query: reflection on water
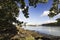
43, 29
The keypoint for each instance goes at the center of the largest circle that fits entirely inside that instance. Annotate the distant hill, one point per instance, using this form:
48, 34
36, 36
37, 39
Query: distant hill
51, 24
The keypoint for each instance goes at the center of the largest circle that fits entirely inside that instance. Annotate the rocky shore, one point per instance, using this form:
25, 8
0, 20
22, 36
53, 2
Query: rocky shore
31, 35
25, 35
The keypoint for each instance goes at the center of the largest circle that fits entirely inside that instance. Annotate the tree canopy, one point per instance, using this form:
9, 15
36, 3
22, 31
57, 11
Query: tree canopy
9, 10
54, 10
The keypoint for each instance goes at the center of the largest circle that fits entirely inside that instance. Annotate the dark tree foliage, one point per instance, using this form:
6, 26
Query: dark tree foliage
9, 10
54, 10
58, 20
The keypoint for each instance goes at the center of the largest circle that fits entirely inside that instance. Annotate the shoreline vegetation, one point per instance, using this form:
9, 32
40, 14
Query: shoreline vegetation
31, 35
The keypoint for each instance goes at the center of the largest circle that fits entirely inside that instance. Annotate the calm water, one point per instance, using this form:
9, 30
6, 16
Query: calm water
43, 29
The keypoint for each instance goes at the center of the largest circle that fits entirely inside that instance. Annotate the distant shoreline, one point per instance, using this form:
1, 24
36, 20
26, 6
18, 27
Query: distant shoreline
51, 24
45, 25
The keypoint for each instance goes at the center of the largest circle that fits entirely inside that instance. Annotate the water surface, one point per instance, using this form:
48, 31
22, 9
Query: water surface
55, 31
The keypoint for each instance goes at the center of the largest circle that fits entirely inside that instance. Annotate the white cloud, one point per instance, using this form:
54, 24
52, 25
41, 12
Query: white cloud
50, 21
57, 16
45, 13
42, 22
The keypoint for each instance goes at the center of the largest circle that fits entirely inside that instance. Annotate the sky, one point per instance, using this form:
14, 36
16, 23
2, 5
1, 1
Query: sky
38, 15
